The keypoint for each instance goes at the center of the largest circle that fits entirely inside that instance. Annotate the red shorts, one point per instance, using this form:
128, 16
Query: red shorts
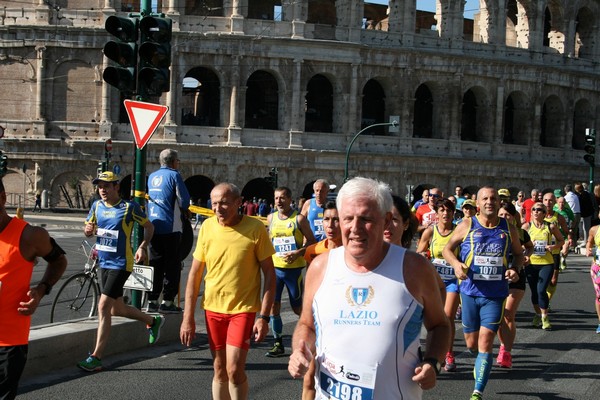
229, 329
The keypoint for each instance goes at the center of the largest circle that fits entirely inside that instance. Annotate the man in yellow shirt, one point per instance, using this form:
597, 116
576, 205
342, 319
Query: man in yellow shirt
234, 249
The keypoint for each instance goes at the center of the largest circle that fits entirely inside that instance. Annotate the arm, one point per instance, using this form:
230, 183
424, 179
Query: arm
420, 278
589, 246
187, 332
303, 340
305, 208
261, 327
141, 254
423, 245
35, 242
564, 227
309, 238
560, 240
512, 273
460, 268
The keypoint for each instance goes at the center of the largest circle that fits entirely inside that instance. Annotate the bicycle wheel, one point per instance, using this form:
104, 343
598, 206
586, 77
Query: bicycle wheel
77, 298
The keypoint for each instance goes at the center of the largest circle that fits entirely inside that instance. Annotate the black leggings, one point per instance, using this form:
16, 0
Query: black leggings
12, 364
538, 277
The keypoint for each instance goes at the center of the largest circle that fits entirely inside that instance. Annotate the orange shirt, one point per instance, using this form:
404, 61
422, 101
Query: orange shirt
315, 249
15, 277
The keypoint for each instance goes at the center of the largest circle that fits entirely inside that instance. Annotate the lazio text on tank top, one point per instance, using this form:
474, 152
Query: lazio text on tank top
485, 251
315, 219
368, 327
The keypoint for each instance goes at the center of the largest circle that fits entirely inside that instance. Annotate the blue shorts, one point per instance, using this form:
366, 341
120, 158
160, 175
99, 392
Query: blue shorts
291, 278
452, 286
481, 311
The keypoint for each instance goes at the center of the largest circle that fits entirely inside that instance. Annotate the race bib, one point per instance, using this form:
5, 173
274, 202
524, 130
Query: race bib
318, 223
284, 244
488, 268
444, 269
539, 247
107, 240
341, 380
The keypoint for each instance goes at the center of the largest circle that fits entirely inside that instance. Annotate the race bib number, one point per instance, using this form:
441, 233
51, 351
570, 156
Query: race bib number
318, 223
284, 244
444, 269
539, 247
488, 268
107, 240
344, 381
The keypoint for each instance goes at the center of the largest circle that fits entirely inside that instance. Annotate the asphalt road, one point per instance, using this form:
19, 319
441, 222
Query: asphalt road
555, 365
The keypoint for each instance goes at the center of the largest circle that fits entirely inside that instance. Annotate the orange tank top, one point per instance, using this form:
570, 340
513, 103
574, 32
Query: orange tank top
15, 277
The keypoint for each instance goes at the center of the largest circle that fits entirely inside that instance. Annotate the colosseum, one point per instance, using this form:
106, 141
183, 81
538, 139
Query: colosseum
503, 98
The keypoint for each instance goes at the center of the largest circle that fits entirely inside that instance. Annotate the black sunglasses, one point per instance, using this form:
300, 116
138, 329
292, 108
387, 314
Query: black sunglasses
538, 209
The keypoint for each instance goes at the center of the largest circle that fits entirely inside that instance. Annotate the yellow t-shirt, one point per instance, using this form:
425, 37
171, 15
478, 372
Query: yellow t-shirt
541, 237
232, 255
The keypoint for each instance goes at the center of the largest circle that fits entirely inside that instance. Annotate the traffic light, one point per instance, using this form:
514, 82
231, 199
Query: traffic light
3, 163
123, 52
273, 175
590, 147
155, 56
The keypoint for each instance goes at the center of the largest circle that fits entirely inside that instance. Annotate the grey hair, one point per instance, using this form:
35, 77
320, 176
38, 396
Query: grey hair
370, 188
167, 157
233, 189
322, 181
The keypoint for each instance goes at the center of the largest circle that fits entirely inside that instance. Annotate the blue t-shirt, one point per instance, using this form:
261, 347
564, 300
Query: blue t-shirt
113, 235
168, 195
315, 219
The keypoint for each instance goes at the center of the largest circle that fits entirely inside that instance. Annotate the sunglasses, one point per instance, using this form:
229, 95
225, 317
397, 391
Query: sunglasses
538, 209
434, 195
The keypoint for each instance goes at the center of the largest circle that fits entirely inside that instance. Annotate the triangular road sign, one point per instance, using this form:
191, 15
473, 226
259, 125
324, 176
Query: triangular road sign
144, 118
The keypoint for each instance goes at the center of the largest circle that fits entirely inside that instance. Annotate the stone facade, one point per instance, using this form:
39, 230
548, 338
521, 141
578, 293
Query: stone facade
503, 99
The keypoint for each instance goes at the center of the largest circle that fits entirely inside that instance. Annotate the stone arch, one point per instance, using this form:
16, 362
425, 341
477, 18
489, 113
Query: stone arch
262, 101
423, 112
18, 87
554, 26
201, 104
585, 33
552, 122
69, 181
473, 118
74, 94
258, 188
373, 107
199, 187
517, 111
319, 104
583, 118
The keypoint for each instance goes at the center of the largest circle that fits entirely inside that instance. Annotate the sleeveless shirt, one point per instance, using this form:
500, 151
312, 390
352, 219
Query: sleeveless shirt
438, 242
541, 237
315, 219
286, 237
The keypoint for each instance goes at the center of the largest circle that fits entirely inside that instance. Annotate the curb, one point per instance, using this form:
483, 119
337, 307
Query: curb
58, 346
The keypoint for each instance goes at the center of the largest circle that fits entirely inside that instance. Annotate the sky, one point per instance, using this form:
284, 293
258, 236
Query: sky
471, 7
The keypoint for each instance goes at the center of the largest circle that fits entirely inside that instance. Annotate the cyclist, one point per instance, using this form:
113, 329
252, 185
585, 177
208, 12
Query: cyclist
111, 219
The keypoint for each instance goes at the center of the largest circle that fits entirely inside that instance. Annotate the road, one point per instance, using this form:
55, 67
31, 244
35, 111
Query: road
555, 365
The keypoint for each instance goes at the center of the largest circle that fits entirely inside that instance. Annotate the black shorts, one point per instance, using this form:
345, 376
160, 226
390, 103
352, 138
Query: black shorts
12, 364
113, 281
521, 284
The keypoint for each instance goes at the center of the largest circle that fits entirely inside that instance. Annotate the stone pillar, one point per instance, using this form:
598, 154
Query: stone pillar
297, 107
299, 20
354, 110
39, 112
234, 130
499, 114
237, 19
402, 16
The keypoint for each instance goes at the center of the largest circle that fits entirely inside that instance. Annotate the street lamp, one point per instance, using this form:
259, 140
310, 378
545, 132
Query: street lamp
393, 123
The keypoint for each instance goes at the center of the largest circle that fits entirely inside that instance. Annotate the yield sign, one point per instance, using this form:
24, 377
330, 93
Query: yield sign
144, 118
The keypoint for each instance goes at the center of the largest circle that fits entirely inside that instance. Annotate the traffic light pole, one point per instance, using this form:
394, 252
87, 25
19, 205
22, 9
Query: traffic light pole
139, 194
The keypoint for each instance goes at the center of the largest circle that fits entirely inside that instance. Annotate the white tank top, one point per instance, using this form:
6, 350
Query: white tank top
368, 327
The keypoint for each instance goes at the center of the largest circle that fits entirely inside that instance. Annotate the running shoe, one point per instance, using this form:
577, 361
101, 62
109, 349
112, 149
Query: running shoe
277, 351
90, 364
450, 363
171, 309
546, 323
506, 360
598, 329
500, 353
563, 263
476, 396
152, 308
154, 330
537, 321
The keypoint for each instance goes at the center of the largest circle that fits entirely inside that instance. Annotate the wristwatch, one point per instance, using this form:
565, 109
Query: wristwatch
264, 317
437, 366
48, 287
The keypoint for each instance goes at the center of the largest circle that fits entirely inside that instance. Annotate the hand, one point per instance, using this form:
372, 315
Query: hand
187, 332
512, 275
300, 360
88, 229
29, 307
260, 329
425, 376
461, 272
141, 255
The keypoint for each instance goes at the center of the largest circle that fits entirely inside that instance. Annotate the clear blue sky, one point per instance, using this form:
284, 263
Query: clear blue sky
471, 7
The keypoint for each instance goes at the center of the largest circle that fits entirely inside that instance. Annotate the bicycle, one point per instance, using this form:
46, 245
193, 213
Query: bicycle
78, 296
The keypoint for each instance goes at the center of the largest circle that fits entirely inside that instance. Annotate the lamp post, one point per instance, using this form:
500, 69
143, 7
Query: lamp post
393, 123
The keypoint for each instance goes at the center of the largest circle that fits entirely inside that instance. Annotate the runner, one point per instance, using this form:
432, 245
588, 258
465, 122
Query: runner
594, 241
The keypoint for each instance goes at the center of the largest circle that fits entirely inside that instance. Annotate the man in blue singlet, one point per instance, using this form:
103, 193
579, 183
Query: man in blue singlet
484, 242
313, 209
